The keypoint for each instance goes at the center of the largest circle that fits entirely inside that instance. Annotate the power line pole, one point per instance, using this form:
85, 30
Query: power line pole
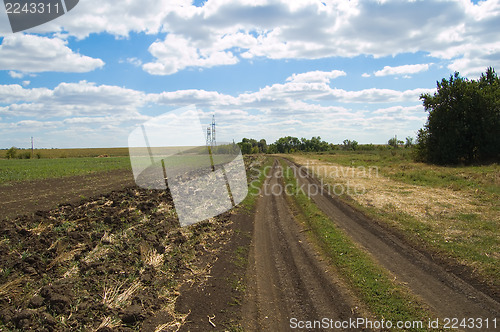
211, 141
213, 130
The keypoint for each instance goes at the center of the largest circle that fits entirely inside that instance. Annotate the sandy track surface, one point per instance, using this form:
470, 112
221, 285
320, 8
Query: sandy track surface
287, 278
446, 293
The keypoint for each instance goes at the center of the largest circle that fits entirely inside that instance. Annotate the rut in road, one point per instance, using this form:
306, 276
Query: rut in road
447, 294
287, 278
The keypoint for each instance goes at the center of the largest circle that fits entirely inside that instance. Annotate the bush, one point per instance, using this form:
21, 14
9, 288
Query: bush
24, 155
11, 153
349, 145
366, 147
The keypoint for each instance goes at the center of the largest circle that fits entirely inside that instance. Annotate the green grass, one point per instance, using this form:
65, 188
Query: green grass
72, 153
15, 170
477, 249
385, 298
256, 180
398, 164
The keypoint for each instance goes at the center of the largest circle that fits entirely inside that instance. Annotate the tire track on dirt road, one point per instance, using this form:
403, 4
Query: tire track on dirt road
286, 277
447, 294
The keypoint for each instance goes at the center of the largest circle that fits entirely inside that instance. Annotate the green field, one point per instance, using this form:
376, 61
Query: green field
70, 153
15, 170
398, 165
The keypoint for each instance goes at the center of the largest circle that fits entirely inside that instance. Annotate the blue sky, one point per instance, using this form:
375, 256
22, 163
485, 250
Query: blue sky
266, 68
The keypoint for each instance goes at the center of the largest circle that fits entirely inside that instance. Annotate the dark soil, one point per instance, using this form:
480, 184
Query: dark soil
85, 266
31, 196
214, 303
96, 253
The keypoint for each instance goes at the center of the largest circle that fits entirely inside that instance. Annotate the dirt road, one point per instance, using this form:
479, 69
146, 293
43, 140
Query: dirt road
287, 279
446, 293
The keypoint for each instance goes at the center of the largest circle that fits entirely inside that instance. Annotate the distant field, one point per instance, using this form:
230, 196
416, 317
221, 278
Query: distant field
73, 153
398, 165
15, 170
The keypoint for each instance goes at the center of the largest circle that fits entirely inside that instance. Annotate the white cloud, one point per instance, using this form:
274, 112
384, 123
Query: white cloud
134, 61
20, 53
316, 76
176, 53
222, 31
312, 30
90, 114
70, 100
402, 70
14, 92
15, 74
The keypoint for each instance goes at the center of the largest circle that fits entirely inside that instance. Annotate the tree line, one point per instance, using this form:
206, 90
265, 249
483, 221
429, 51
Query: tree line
290, 144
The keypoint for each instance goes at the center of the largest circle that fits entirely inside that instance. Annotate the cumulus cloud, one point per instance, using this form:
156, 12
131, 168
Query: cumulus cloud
402, 70
222, 32
15, 74
176, 53
20, 53
316, 76
14, 92
70, 100
314, 29
289, 108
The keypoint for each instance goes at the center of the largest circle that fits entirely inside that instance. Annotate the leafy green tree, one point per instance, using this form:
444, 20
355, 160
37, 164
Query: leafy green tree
393, 142
409, 142
11, 153
463, 122
262, 146
246, 148
349, 145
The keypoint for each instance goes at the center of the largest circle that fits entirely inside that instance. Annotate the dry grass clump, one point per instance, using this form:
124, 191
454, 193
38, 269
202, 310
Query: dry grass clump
107, 238
96, 253
40, 228
11, 288
151, 257
175, 325
66, 256
114, 297
110, 322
